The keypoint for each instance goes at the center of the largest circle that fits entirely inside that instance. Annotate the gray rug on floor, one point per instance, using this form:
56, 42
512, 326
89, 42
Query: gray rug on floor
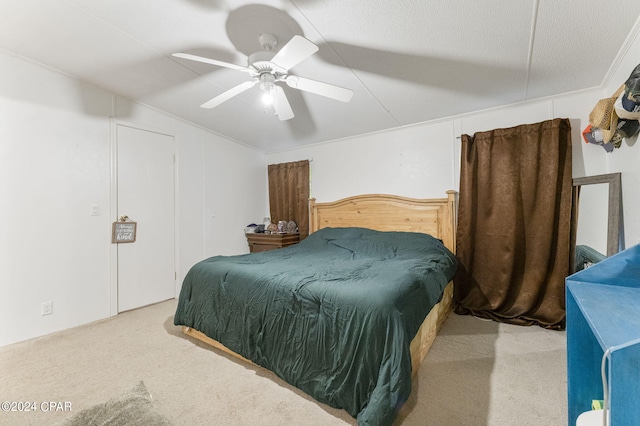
131, 408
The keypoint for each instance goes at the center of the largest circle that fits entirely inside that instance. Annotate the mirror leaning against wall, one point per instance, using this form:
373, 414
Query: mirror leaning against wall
598, 212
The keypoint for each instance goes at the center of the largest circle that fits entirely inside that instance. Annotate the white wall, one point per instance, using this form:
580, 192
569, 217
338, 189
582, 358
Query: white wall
55, 163
424, 160
415, 161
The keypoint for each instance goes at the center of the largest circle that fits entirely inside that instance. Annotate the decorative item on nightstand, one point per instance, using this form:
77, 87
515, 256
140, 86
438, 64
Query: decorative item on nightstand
271, 229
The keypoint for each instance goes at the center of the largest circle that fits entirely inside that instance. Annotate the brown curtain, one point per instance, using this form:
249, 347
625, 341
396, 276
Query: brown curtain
289, 194
514, 224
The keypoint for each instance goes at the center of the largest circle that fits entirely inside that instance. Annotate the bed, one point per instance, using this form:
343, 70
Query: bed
348, 314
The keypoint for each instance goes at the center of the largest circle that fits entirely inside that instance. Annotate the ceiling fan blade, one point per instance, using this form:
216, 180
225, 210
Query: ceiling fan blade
211, 61
225, 96
295, 51
319, 88
282, 106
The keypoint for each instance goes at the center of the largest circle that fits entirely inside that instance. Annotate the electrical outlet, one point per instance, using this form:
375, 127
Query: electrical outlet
46, 308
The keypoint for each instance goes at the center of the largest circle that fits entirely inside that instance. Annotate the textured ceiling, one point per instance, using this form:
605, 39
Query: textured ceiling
407, 61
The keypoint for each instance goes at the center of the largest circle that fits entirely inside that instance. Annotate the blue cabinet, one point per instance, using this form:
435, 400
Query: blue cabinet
603, 314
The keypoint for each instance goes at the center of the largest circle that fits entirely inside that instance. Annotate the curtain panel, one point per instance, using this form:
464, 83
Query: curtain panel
289, 194
514, 224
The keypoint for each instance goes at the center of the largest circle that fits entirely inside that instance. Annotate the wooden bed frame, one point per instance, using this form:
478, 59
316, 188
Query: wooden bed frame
380, 212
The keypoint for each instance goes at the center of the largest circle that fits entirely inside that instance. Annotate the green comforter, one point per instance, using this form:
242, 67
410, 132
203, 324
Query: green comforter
333, 315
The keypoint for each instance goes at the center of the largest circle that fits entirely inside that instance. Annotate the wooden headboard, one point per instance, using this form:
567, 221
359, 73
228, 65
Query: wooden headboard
382, 212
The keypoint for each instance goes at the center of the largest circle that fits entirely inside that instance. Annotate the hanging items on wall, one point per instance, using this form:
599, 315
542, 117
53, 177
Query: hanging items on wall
628, 104
616, 118
595, 136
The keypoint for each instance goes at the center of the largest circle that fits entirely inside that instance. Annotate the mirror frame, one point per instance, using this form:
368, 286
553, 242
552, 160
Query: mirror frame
614, 181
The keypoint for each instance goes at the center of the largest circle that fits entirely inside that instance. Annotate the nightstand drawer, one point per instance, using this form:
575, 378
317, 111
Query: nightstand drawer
264, 242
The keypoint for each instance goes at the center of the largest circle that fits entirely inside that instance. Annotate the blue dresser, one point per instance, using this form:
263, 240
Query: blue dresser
603, 313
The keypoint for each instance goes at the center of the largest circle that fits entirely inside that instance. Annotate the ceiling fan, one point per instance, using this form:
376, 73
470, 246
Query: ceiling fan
266, 69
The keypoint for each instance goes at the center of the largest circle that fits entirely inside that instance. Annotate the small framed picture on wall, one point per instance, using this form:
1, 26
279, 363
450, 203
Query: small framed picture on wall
123, 232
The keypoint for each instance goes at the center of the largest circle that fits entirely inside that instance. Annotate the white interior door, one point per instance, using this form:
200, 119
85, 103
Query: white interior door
146, 194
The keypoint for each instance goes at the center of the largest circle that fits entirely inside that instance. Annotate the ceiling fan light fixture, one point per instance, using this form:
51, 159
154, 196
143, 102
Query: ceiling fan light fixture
267, 85
267, 98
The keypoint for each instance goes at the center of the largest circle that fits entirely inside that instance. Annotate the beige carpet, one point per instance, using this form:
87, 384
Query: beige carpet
477, 373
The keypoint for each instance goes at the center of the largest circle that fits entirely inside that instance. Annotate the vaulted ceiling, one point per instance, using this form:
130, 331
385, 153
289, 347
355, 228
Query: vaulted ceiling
407, 61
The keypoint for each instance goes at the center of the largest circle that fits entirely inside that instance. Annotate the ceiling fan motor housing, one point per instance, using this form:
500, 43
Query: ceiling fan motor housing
261, 62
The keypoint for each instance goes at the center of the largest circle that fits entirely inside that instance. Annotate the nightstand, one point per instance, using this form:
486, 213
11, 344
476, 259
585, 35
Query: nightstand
264, 242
